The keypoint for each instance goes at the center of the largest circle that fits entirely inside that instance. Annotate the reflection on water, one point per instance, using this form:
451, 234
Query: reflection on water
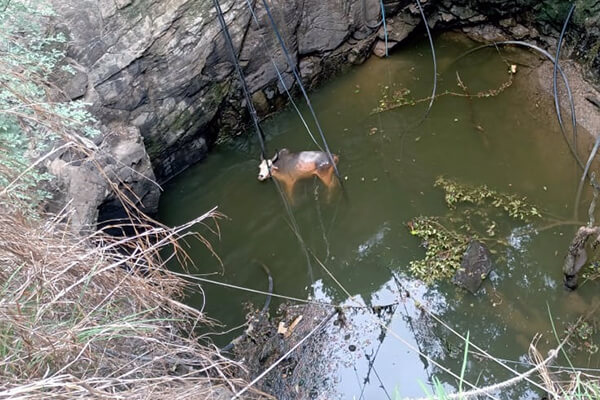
510, 142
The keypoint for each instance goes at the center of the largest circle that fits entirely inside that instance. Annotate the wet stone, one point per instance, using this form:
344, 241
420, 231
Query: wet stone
475, 267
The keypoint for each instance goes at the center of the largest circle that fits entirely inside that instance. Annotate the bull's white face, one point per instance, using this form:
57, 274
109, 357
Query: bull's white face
263, 169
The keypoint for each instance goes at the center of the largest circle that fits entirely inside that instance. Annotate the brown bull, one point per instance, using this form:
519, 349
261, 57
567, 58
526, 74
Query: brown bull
288, 168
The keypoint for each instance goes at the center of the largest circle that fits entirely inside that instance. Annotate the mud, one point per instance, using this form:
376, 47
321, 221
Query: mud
584, 95
300, 375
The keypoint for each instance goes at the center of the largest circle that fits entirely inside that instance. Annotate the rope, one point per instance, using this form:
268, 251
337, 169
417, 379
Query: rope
509, 382
400, 338
523, 376
281, 296
453, 331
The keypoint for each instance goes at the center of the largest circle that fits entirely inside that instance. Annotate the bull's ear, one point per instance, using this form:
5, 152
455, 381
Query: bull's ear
274, 168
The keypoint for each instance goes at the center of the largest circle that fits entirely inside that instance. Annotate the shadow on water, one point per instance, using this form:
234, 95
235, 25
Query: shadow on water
510, 142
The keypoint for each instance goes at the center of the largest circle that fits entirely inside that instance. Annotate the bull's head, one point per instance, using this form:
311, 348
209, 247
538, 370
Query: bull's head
266, 166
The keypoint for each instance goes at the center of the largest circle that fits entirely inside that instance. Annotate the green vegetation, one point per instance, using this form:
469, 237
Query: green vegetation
395, 98
514, 206
33, 114
446, 238
444, 249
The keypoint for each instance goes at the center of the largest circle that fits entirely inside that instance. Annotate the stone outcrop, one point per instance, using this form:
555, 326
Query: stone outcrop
161, 67
474, 268
82, 182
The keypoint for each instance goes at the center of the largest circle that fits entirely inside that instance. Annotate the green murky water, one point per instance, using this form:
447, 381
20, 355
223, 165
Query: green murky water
510, 142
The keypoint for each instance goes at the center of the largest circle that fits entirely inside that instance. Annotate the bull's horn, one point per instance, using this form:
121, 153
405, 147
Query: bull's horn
276, 156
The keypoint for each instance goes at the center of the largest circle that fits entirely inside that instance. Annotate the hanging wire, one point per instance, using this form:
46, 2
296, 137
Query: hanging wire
385, 32
434, 61
301, 86
280, 76
435, 67
292, 220
560, 71
249, 104
554, 85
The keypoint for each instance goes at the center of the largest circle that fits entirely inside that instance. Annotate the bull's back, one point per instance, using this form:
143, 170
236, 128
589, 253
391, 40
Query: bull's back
315, 159
304, 163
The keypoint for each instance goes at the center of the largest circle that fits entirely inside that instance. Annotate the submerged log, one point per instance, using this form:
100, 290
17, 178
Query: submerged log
577, 255
474, 268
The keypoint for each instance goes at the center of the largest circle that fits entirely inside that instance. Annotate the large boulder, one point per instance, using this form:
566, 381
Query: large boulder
89, 184
474, 268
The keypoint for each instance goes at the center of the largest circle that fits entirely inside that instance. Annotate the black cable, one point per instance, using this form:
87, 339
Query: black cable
434, 61
279, 75
259, 130
299, 81
560, 71
249, 104
554, 86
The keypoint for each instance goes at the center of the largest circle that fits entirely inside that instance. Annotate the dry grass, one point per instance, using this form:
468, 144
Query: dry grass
94, 316
567, 383
75, 321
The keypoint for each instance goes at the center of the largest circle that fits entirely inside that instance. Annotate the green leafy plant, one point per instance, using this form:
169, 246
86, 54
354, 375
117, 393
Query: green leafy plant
515, 206
445, 238
444, 248
34, 115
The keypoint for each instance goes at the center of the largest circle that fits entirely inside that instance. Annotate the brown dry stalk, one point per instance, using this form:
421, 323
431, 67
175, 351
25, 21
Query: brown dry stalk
76, 322
97, 316
480, 95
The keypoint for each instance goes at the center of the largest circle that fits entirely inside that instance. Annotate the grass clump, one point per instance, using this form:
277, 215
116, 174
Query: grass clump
76, 322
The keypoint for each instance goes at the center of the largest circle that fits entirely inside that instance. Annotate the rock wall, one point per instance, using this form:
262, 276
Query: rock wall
161, 67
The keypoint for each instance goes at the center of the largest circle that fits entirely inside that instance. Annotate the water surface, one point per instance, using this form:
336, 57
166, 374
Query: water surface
510, 142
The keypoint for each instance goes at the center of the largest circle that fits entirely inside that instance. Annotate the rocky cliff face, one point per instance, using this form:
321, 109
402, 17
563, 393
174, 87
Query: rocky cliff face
161, 67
